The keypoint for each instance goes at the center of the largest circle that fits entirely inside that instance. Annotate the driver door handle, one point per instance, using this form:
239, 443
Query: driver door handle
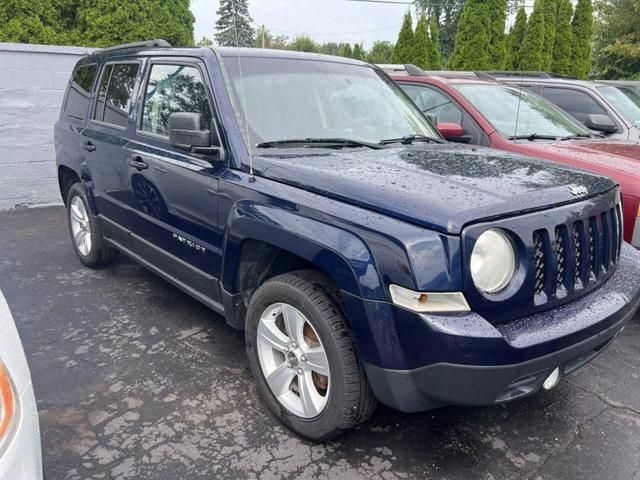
136, 162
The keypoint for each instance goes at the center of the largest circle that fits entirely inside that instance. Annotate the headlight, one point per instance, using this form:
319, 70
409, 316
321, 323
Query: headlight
493, 262
8, 404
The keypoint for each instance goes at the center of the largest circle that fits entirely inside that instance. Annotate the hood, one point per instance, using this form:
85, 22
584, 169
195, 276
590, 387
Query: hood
440, 186
603, 156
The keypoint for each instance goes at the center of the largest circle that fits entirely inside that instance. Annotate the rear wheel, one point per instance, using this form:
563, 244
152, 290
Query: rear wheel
86, 237
302, 357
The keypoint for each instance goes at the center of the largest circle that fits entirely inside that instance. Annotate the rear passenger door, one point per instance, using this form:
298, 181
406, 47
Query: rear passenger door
434, 102
173, 192
104, 141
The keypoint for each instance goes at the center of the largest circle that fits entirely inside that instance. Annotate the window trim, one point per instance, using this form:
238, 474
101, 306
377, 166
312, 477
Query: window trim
606, 107
90, 91
168, 61
96, 93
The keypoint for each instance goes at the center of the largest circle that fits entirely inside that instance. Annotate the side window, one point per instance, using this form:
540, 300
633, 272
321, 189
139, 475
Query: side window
79, 93
171, 89
434, 103
578, 104
116, 93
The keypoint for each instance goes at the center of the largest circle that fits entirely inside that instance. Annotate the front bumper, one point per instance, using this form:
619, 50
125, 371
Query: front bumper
427, 361
21, 458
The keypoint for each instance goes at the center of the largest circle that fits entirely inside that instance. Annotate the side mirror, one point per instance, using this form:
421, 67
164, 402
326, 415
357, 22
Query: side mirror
187, 133
601, 123
451, 131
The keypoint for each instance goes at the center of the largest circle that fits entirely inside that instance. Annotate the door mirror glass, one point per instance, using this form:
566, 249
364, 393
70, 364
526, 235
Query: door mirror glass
186, 130
601, 123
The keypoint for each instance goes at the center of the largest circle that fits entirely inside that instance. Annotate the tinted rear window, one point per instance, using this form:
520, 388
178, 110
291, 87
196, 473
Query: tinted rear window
79, 93
116, 93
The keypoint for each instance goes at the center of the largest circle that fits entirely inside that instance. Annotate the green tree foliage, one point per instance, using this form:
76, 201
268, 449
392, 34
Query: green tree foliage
345, 50
421, 44
582, 26
618, 39
304, 43
359, 53
563, 41
497, 45
102, 23
234, 26
264, 39
435, 57
516, 39
550, 14
381, 52
95, 23
473, 38
531, 53
204, 42
403, 51
448, 15
330, 48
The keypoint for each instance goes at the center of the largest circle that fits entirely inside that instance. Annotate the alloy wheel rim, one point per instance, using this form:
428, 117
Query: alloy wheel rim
80, 226
293, 360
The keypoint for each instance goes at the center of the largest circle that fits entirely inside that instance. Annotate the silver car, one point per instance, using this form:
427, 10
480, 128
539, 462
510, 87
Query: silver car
20, 451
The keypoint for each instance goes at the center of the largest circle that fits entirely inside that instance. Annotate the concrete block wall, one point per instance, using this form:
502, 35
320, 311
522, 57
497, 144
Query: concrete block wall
33, 79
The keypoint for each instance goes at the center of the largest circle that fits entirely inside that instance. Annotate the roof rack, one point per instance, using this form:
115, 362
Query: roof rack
137, 45
407, 68
527, 74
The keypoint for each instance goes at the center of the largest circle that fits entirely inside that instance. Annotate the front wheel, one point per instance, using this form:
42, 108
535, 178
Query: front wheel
302, 357
86, 236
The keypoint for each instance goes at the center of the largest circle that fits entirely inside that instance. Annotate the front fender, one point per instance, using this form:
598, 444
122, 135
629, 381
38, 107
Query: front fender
339, 253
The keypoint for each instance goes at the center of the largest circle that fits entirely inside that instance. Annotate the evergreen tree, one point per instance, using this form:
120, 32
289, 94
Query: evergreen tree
345, 50
582, 26
618, 39
29, 21
498, 19
533, 45
550, 14
473, 38
381, 52
516, 39
359, 53
563, 41
403, 51
330, 48
435, 58
234, 26
421, 45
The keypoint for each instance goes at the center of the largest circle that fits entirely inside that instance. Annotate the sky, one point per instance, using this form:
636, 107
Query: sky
324, 20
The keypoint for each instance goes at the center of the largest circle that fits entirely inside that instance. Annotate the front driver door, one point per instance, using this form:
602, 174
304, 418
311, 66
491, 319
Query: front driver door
173, 191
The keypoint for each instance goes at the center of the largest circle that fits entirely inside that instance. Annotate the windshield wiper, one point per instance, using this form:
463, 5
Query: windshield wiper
409, 139
318, 142
533, 136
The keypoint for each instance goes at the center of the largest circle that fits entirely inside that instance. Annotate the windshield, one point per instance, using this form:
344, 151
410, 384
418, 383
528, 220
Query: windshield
287, 99
505, 107
625, 101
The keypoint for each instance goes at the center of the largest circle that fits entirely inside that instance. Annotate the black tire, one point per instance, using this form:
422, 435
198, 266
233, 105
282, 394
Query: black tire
100, 254
351, 400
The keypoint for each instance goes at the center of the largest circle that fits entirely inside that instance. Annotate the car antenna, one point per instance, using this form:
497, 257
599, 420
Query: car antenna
515, 133
243, 96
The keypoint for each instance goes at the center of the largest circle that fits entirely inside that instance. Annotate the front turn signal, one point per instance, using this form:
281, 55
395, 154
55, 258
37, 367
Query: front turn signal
8, 403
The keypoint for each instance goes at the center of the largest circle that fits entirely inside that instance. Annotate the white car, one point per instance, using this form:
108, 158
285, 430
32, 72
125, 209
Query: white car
20, 451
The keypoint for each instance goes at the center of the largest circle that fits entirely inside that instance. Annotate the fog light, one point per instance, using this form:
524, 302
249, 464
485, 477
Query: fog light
552, 380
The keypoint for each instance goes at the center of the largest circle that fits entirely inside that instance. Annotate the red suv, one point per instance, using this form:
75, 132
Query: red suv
475, 109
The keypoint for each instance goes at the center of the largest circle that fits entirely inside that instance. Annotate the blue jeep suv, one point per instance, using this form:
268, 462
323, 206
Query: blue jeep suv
308, 201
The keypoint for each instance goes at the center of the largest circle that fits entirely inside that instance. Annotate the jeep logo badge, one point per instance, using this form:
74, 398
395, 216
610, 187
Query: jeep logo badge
578, 190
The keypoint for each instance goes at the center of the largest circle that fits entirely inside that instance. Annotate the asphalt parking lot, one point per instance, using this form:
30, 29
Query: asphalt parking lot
134, 379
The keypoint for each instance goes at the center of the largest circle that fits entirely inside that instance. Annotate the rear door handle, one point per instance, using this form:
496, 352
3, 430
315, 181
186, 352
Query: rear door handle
136, 162
89, 147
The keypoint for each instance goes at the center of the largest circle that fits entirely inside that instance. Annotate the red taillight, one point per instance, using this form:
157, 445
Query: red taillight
7, 402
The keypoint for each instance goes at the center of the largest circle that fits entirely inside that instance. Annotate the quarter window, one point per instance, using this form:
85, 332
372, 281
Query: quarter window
171, 89
116, 93
576, 103
79, 93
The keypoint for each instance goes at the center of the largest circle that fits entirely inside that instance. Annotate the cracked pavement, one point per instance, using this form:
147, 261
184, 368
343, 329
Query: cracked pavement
134, 379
